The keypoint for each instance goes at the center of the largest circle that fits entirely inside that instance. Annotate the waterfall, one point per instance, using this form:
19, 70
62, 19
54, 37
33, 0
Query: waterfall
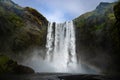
61, 51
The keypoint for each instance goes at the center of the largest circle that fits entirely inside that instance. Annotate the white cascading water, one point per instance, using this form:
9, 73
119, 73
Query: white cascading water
61, 51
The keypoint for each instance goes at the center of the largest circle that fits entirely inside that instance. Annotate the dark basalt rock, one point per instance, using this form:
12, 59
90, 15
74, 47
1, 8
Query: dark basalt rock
21, 28
97, 38
117, 11
20, 69
8, 66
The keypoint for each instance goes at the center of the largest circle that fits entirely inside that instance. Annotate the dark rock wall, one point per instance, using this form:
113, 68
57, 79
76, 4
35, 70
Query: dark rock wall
97, 38
21, 28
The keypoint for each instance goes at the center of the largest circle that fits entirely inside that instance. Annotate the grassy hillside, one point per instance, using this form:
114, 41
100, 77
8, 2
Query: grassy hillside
20, 28
98, 41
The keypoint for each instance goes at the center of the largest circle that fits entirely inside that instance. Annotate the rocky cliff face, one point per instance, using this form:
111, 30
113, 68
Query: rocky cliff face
97, 38
20, 28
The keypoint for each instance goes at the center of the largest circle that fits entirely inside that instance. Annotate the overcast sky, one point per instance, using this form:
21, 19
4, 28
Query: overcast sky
61, 10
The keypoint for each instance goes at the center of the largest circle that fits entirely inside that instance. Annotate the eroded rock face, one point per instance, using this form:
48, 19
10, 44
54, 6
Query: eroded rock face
97, 38
20, 28
117, 11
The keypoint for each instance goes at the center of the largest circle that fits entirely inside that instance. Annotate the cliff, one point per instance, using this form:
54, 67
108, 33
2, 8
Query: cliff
20, 29
97, 38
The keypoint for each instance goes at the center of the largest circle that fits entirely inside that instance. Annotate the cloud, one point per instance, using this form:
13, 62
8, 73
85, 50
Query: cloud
62, 10
56, 16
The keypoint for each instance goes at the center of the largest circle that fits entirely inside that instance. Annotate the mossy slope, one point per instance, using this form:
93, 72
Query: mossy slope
98, 41
20, 28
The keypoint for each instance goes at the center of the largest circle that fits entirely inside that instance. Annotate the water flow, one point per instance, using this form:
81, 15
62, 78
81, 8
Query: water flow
61, 52
61, 46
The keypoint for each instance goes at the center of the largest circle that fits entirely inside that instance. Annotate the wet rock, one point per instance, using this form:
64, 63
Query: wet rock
8, 66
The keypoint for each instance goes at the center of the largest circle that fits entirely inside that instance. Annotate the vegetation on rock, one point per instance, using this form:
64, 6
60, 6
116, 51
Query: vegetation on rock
98, 41
7, 65
20, 29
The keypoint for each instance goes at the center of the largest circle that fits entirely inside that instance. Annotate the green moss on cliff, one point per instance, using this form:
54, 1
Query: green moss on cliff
97, 34
7, 65
9, 22
41, 20
21, 28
